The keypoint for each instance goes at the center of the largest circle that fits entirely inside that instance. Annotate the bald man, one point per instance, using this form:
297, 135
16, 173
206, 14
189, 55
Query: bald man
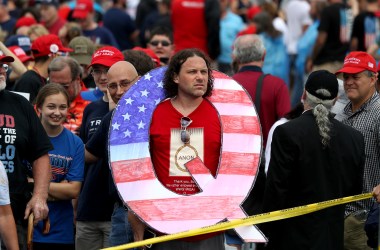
121, 76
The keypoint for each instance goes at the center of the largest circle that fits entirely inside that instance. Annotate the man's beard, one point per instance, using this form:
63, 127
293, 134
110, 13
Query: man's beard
3, 84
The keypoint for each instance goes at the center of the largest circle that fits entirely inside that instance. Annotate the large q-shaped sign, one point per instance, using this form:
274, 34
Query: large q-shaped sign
221, 197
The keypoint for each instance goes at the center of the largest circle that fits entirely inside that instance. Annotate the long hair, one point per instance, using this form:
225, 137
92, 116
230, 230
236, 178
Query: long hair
321, 112
174, 67
264, 23
48, 90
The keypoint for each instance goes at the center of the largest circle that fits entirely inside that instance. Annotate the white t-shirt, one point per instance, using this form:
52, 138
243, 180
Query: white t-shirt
297, 15
4, 187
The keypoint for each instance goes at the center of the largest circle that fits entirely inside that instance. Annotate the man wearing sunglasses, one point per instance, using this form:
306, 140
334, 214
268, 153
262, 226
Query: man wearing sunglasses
161, 42
183, 127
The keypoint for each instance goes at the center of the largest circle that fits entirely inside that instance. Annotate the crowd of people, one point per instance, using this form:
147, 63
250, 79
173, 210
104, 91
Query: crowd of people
309, 67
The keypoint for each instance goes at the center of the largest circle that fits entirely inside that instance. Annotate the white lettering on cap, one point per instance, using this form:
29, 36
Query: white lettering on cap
23, 41
104, 53
19, 52
81, 6
352, 60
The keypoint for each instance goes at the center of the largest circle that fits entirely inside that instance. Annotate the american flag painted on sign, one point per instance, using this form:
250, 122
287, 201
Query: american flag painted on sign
220, 198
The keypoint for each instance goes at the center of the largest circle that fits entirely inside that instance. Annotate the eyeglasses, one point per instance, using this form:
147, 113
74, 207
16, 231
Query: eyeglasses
5, 68
63, 84
163, 43
185, 136
99, 72
122, 84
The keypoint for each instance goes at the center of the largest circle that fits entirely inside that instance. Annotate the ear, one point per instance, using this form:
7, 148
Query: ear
336, 99
374, 79
265, 52
303, 97
175, 78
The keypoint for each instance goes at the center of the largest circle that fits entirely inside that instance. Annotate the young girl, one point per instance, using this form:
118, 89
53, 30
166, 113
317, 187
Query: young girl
67, 164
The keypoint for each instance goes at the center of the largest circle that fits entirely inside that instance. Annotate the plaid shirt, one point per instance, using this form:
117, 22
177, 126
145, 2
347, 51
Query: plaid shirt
367, 121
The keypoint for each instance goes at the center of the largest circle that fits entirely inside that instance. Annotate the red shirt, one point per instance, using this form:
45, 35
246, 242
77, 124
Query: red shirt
189, 34
54, 29
169, 153
275, 99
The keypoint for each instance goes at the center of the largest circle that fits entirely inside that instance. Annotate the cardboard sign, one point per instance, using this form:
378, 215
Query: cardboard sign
221, 197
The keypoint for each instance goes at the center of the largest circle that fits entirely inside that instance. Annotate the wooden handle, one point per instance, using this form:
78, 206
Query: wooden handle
45, 230
30, 231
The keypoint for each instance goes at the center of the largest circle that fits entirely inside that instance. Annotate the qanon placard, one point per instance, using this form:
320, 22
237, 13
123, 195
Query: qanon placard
221, 197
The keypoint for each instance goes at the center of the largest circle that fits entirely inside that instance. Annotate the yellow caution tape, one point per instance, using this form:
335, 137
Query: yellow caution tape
251, 220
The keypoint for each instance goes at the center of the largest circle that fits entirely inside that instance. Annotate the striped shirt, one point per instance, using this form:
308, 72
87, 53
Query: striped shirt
367, 121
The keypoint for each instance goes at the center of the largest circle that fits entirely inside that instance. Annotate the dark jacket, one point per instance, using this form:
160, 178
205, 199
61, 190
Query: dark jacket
302, 171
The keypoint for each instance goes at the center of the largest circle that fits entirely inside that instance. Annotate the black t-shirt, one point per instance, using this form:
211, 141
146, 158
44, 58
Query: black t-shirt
98, 146
359, 30
92, 117
22, 138
336, 45
30, 82
94, 192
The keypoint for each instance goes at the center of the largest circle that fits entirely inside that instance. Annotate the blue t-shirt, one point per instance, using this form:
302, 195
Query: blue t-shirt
276, 60
230, 26
121, 25
67, 163
8, 26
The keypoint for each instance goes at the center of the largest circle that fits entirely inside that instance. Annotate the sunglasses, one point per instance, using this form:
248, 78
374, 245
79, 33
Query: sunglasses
185, 136
163, 43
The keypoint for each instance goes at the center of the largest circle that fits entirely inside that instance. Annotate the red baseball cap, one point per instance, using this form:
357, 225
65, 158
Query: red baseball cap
46, 45
25, 21
252, 12
106, 56
358, 61
151, 54
6, 59
82, 8
20, 53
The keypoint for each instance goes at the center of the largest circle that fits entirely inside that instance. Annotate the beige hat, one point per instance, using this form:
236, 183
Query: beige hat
83, 48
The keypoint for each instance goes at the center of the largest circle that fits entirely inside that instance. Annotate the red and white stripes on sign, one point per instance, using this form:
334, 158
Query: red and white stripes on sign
220, 198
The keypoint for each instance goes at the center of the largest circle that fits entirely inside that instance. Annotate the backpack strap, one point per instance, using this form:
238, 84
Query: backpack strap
259, 87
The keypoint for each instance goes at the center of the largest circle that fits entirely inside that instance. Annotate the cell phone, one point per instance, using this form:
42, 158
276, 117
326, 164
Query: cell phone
148, 234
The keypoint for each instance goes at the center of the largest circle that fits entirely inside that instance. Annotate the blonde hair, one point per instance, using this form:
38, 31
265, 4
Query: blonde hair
37, 30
